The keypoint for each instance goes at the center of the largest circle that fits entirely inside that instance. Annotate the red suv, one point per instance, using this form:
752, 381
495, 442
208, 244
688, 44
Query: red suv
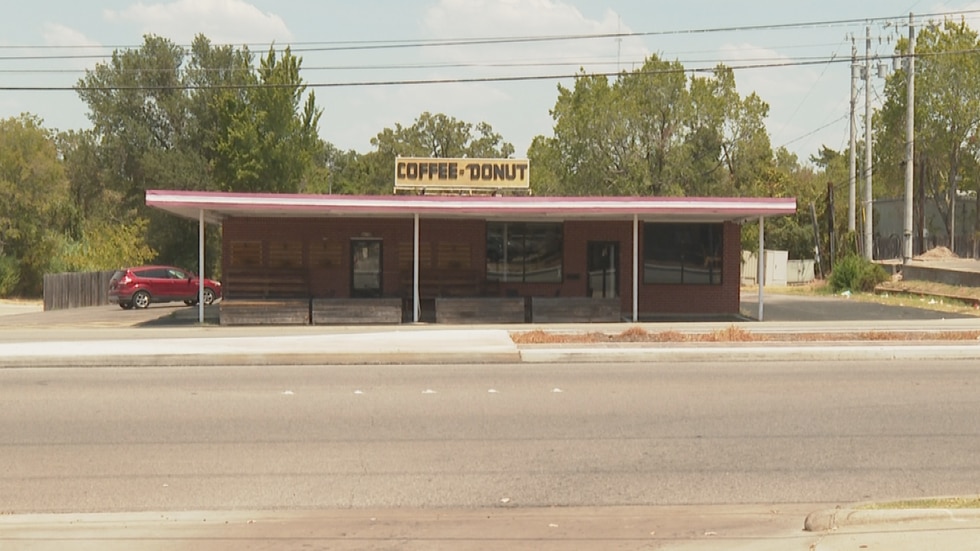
140, 286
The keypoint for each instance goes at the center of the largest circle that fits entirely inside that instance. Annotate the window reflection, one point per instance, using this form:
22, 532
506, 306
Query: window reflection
524, 252
687, 254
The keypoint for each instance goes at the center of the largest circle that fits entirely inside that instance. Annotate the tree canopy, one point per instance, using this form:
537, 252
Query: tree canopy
654, 131
431, 135
947, 117
35, 195
207, 118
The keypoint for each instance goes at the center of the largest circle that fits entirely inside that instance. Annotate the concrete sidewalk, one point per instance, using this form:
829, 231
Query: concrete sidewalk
307, 346
685, 527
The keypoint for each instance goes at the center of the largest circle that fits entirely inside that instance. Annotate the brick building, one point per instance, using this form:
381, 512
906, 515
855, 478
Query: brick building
558, 258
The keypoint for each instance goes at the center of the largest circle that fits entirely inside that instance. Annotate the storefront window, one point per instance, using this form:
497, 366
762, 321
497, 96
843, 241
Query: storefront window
688, 254
523, 252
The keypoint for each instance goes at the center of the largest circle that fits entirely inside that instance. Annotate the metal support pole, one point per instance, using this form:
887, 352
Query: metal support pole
868, 215
416, 302
761, 277
636, 268
909, 146
200, 268
852, 156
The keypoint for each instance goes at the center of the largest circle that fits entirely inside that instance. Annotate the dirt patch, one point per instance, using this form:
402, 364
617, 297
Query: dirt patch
735, 334
938, 253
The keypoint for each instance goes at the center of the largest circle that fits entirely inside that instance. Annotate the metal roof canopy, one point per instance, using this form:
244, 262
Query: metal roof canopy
214, 207
218, 206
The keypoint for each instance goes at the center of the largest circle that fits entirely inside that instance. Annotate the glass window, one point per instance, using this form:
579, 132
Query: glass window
688, 254
524, 252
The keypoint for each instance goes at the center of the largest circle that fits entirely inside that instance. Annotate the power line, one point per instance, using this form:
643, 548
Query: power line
417, 66
407, 82
782, 63
352, 45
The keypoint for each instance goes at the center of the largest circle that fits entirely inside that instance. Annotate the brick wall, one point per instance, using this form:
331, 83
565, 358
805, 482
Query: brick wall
447, 245
699, 299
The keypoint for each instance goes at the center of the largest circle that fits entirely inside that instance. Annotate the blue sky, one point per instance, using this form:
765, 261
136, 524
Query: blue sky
808, 103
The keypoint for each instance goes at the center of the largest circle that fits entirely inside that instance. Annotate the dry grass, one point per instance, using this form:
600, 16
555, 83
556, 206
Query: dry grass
929, 503
735, 334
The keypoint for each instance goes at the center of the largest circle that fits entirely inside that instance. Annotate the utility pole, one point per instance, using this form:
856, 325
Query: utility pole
852, 181
868, 215
909, 145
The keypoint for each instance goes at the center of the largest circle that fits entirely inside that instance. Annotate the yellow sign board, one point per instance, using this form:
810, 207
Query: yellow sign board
418, 173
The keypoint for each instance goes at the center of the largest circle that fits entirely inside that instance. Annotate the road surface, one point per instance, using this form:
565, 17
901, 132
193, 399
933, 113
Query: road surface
321, 437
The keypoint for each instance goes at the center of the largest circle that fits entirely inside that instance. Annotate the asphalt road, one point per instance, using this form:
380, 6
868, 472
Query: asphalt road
179, 439
793, 308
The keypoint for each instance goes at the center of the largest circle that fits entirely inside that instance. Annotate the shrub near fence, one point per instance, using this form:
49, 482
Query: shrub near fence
76, 290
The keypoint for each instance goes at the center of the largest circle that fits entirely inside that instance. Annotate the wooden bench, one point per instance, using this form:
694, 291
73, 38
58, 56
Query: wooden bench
480, 310
265, 311
354, 311
575, 309
266, 284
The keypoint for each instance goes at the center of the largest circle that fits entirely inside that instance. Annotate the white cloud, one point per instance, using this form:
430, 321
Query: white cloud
768, 83
56, 34
518, 109
790, 92
222, 21
530, 18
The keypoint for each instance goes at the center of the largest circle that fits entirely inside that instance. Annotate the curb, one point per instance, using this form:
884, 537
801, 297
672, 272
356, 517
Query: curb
258, 360
277, 352
704, 353
832, 519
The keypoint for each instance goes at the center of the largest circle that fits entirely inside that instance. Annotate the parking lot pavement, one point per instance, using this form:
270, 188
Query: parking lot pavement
32, 315
793, 308
13, 307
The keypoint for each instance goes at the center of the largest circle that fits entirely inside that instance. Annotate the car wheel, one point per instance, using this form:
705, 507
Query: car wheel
208, 296
125, 305
141, 299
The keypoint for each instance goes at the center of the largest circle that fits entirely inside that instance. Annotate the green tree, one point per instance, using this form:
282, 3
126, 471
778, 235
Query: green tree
199, 119
106, 245
656, 105
654, 132
264, 142
100, 235
589, 154
32, 214
947, 116
431, 135
441, 136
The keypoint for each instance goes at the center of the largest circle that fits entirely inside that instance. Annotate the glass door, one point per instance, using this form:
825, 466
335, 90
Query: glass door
603, 263
365, 267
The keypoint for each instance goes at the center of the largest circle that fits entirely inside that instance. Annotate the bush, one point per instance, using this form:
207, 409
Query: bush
9, 275
855, 273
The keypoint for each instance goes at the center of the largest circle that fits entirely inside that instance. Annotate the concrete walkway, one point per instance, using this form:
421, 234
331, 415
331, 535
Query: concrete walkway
684, 527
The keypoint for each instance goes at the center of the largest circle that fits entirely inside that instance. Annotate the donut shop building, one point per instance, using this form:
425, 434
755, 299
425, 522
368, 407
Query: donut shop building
438, 256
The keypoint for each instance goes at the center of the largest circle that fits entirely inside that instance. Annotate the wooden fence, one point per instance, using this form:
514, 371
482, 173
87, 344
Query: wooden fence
76, 290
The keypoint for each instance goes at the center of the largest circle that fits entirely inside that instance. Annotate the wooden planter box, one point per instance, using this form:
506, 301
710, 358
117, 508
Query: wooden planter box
575, 309
480, 310
285, 311
356, 311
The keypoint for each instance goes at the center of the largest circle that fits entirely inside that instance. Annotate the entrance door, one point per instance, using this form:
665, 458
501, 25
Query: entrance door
603, 268
365, 267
